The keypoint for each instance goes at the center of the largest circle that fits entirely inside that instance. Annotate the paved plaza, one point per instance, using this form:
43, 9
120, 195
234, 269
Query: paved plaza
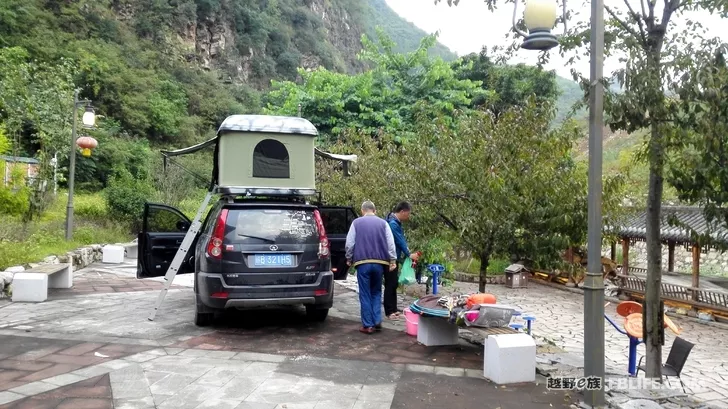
560, 321
93, 347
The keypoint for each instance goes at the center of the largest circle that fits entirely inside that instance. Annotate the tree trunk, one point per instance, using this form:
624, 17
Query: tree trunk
484, 260
654, 256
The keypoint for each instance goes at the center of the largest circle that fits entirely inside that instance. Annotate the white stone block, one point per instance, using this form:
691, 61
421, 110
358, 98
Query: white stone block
432, 331
132, 250
510, 358
113, 254
61, 279
30, 287
15, 269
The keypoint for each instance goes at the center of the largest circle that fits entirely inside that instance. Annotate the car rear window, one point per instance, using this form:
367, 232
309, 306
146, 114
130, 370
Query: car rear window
279, 226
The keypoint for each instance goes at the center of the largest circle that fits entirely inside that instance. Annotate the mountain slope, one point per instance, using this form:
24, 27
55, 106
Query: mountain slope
404, 33
171, 70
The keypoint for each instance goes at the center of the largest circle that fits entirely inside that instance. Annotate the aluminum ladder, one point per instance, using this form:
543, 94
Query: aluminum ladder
181, 255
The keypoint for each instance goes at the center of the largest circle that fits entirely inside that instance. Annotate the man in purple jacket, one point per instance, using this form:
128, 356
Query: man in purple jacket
370, 249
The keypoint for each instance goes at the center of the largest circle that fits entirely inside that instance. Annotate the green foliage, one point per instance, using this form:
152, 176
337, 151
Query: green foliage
386, 99
437, 250
22, 243
113, 153
90, 207
699, 173
125, 198
508, 186
496, 266
14, 197
5, 144
138, 73
508, 85
13, 202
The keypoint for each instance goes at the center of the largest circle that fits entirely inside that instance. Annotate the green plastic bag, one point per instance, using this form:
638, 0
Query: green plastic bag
407, 273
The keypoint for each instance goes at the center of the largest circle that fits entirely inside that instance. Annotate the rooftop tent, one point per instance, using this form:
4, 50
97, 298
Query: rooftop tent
264, 152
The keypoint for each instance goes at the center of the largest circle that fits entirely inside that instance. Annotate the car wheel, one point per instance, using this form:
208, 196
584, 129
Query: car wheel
317, 314
202, 318
342, 270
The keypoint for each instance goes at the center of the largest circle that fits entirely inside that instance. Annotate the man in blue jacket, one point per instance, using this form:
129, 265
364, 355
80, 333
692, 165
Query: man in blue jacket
401, 213
370, 249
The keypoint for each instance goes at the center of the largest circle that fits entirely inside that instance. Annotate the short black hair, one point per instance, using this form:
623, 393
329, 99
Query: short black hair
402, 207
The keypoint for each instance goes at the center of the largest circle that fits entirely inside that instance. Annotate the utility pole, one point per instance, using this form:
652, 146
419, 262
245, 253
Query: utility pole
594, 281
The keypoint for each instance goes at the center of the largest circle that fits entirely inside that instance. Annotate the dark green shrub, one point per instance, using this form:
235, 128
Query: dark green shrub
125, 198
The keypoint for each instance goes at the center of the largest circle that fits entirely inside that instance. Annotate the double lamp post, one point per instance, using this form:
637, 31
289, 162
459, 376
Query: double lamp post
86, 143
540, 18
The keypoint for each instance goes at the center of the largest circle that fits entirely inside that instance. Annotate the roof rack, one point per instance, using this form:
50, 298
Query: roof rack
264, 191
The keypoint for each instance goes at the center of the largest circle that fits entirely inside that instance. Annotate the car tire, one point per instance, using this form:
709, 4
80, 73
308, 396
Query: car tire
317, 314
342, 273
202, 318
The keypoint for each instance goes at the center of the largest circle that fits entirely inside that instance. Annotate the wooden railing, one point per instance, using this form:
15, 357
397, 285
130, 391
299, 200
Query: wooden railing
695, 297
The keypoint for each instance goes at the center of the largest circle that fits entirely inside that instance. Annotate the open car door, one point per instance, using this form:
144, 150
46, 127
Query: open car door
337, 220
163, 230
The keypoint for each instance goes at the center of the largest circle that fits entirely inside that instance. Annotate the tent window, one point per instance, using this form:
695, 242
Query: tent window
270, 160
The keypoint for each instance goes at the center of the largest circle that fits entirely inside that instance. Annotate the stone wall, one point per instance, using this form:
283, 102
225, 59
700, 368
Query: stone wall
712, 263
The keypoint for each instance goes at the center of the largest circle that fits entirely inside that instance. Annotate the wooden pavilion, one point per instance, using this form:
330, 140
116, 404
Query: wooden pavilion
679, 226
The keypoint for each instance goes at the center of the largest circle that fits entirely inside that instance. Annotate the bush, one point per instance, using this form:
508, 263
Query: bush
125, 199
14, 203
90, 207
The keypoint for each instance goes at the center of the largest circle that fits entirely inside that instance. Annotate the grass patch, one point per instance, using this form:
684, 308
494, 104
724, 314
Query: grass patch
495, 266
22, 243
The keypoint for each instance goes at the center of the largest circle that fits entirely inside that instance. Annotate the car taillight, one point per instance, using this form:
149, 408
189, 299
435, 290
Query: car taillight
214, 247
324, 252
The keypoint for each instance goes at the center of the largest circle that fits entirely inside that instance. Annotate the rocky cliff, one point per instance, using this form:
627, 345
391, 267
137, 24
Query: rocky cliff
254, 41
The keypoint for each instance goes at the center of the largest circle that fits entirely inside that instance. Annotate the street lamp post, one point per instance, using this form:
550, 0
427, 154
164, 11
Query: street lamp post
540, 17
88, 121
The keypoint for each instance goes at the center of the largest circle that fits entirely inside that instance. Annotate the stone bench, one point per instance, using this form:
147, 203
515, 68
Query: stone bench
32, 285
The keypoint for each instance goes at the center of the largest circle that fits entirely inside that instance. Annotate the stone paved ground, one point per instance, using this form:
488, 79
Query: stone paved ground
98, 350
560, 320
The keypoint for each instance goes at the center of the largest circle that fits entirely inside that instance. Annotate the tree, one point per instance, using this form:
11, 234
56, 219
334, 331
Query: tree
506, 85
36, 100
501, 186
700, 172
639, 33
387, 98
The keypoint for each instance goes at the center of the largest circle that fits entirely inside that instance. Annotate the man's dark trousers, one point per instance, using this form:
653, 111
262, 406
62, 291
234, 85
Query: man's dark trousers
391, 281
369, 277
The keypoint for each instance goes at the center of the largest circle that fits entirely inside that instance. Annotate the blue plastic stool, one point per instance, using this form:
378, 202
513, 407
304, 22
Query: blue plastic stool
529, 321
435, 269
517, 327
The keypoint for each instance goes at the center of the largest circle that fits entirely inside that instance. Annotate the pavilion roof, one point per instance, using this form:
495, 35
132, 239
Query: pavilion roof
679, 224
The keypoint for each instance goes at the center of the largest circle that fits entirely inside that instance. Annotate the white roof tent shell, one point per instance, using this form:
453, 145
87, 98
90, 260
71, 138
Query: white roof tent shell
262, 154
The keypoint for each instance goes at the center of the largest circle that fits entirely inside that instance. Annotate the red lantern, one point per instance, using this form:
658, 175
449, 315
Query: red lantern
86, 143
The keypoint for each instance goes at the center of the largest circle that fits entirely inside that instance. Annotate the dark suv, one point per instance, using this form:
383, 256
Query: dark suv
252, 253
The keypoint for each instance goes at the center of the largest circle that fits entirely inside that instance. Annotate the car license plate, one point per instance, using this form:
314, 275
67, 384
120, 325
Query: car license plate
273, 260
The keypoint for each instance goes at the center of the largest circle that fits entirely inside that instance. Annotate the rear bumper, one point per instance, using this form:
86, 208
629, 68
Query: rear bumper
319, 294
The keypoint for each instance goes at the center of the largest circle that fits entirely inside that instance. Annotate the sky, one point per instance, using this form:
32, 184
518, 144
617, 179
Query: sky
469, 26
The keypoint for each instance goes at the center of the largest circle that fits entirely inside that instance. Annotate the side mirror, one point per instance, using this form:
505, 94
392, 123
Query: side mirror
183, 225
